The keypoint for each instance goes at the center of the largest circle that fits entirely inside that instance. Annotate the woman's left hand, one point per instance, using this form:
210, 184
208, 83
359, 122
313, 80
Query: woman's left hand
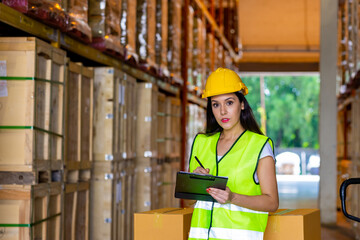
222, 196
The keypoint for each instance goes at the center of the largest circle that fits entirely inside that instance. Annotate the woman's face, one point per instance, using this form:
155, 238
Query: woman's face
226, 109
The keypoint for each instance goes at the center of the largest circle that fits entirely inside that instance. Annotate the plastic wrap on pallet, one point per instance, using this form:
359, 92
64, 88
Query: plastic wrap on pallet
141, 30
161, 36
49, 12
218, 54
151, 19
195, 61
190, 48
79, 29
164, 34
202, 48
78, 23
158, 32
145, 31
209, 52
78, 9
112, 13
128, 27
174, 38
105, 26
104, 21
97, 7
199, 44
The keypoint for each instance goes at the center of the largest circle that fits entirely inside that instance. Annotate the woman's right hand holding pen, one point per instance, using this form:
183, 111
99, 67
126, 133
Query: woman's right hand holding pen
202, 170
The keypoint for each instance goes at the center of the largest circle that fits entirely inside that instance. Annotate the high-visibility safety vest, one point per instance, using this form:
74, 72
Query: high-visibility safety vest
212, 220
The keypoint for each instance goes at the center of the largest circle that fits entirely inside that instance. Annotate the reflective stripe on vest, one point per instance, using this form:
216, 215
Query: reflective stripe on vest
222, 233
228, 221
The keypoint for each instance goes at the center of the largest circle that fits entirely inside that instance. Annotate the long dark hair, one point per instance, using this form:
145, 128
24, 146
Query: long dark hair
247, 118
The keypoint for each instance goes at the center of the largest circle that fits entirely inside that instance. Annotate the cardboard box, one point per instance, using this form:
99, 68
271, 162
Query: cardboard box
163, 224
294, 224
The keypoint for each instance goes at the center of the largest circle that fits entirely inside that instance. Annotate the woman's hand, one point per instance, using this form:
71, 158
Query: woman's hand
201, 170
222, 196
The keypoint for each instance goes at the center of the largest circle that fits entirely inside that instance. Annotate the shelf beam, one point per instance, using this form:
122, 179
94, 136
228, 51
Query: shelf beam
18, 20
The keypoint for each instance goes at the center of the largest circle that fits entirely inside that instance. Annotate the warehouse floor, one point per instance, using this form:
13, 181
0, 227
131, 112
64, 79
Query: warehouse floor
342, 230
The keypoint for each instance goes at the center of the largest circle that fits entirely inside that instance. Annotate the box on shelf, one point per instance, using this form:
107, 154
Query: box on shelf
76, 211
294, 224
115, 101
78, 123
112, 204
33, 211
31, 134
147, 110
107, 135
128, 116
147, 185
164, 223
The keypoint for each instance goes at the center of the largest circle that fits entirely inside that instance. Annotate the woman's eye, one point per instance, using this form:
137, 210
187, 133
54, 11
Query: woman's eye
230, 103
215, 105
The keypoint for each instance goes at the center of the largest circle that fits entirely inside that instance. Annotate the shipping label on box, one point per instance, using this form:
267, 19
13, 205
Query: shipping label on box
294, 224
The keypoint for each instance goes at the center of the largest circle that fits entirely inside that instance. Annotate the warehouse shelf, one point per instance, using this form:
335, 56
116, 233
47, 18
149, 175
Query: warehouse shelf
22, 22
219, 33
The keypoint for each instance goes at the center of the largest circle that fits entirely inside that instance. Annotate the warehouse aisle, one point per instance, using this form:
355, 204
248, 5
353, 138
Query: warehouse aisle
342, 231
301, 191
298, 191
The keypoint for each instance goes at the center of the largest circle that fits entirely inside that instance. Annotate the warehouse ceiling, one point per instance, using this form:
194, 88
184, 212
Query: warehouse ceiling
279, 35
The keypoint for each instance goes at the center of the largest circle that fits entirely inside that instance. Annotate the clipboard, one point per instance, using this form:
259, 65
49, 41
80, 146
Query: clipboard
194, 185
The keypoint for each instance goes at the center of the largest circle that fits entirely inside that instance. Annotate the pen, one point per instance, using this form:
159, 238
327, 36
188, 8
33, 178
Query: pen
199, 162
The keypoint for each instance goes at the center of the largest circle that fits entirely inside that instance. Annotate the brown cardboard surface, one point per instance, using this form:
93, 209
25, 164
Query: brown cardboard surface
163, 224
294, 224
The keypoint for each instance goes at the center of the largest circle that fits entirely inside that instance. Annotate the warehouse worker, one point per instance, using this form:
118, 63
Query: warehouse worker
233, 146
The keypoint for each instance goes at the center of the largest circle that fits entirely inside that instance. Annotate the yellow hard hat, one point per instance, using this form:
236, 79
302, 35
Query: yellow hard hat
223, 81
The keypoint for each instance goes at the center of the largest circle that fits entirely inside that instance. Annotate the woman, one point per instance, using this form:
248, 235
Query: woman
235, 147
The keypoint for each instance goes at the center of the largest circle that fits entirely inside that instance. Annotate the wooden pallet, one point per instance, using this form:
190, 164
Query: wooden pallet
78, 124
30, 212
31, 116
76, 211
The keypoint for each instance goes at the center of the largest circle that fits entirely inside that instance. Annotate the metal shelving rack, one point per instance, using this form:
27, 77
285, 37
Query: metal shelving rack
59, 39
35, 28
